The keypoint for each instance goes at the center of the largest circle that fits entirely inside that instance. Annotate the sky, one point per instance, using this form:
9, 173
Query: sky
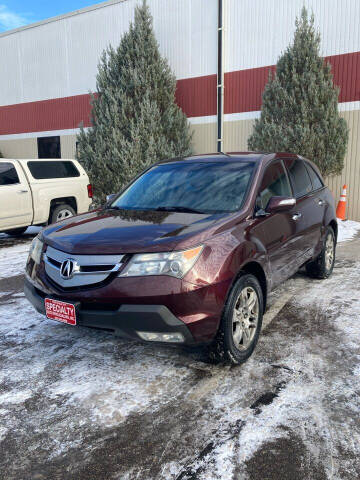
17, 13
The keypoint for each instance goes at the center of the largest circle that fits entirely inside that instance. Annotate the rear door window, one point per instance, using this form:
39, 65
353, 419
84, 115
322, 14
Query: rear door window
8, 174
299, 177
275, 183
52, 169
315, 179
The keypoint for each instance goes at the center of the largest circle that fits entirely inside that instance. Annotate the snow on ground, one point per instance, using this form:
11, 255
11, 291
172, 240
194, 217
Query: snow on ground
347, 229
92, 405
316, 396
14, 252
13, 260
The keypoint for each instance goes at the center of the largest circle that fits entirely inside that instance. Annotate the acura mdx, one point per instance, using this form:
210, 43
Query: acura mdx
189, 251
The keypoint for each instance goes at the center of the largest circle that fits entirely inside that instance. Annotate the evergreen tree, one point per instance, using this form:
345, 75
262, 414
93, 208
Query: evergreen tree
135, 120
300, 105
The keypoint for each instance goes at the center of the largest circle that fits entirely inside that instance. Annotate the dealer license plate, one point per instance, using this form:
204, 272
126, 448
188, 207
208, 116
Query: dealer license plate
60, 311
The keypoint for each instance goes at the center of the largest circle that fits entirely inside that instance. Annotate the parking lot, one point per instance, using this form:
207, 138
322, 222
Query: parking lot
82, 404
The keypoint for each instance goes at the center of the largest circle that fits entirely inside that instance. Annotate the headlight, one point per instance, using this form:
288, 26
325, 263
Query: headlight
175, 264
36, 249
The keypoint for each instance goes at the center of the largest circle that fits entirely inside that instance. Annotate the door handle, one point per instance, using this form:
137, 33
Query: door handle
296, 216
22, 191
321, 202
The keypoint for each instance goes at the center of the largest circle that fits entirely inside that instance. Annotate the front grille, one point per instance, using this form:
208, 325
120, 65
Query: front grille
54, 262
96, 268
86, 270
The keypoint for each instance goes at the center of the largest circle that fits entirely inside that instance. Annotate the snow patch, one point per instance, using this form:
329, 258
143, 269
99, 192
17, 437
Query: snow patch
13, 260
347, 229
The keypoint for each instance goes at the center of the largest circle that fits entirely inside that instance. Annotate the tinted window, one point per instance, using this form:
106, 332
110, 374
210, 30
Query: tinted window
275, 183
299, 177
49, 147
8, 175
209, 187
53, 169
315, 179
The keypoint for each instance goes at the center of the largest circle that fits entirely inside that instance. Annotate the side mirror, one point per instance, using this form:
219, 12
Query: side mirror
110, 197
280, 204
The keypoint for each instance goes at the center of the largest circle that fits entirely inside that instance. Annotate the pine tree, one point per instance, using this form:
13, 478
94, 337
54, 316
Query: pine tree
135, 120
300, 105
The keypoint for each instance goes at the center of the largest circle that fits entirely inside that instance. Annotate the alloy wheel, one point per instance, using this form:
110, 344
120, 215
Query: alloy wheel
245, 318
65, 213
329, 251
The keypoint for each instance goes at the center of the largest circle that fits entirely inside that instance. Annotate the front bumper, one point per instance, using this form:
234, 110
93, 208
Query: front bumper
125, 320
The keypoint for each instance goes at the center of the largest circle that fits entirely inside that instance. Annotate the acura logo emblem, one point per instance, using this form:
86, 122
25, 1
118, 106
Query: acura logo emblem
68, 268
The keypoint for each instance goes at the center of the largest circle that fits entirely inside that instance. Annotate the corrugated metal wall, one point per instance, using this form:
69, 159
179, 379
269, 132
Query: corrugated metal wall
351, 173
256, 33
48, 69
59, 59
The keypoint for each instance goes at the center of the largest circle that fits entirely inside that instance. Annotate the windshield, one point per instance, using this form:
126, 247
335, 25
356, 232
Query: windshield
199, 187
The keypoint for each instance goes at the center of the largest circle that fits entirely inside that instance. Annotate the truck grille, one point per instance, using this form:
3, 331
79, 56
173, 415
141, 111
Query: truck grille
69, 270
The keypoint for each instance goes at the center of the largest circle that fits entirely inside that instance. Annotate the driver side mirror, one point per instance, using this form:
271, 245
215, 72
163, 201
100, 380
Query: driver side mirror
280, 204
277, 204
110, 197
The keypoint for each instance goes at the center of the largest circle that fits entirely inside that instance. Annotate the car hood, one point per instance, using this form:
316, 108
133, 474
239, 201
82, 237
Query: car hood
130, 231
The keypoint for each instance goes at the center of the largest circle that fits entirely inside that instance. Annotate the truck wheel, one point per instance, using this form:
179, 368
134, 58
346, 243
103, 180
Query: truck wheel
15, 232
241, 322
61, 212
323, 266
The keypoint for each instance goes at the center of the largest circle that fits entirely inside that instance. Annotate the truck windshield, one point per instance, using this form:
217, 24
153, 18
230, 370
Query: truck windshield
198, 187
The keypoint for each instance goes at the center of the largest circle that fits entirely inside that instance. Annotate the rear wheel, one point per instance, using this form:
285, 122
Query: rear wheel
15, 232
61, 212
241, 322
323, 265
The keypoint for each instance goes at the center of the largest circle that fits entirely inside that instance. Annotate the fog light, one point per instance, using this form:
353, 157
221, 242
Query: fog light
162, 337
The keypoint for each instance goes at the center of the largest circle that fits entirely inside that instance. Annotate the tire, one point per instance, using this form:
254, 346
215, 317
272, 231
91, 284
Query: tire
61, 212
227, 347
323, 265
16, 232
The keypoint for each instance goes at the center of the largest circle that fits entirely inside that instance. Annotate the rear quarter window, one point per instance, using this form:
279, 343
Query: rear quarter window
299, 177
315, 179
53, 169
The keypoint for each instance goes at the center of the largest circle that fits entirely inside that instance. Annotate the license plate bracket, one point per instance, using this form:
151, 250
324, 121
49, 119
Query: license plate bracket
64, 312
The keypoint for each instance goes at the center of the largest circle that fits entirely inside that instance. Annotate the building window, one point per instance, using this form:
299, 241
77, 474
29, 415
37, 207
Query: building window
49, 147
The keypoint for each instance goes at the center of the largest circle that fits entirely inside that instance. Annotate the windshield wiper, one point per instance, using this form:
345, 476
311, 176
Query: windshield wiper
178, 209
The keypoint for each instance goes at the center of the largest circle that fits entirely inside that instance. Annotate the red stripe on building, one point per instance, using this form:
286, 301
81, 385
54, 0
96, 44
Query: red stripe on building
243, 89
196, 96
56, 114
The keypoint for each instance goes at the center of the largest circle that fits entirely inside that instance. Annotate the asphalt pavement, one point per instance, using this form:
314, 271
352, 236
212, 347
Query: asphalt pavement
80, 404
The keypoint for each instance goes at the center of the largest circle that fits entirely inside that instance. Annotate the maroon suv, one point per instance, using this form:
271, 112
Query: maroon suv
188, 252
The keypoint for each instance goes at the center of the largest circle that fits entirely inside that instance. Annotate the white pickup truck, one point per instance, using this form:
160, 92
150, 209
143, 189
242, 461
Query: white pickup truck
38, 192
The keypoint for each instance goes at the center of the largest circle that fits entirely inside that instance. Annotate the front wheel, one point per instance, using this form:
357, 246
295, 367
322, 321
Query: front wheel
323, 265
241, 322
